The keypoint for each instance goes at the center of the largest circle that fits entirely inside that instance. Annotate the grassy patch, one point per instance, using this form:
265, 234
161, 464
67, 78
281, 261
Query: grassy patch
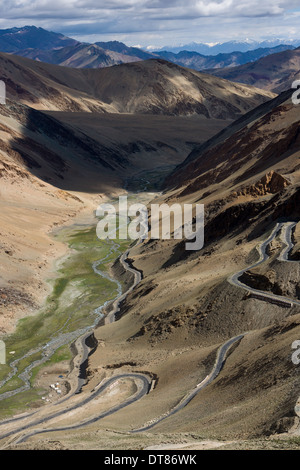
24, 401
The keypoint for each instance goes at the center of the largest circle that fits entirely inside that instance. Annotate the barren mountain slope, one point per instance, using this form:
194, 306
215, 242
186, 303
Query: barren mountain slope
275, 72
185, 308
159, 87
149, 87
45, 86
269, 137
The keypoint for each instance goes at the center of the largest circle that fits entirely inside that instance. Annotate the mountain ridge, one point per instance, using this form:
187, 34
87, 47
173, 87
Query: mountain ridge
146, 87
229, 46
14, 39
221, 60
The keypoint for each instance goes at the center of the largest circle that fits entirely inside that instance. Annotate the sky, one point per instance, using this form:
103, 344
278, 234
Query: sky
157, 23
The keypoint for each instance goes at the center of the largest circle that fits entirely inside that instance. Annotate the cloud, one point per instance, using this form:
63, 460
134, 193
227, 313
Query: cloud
144, 8
122, 17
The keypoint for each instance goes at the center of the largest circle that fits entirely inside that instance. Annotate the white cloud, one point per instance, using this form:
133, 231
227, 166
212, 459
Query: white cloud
199, 20
178, 8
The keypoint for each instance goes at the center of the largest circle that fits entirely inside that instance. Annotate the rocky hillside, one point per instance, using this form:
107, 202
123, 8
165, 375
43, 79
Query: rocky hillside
268, 143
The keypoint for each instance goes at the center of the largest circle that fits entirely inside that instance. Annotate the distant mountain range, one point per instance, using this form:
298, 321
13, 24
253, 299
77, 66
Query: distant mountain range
194, 60
229, 46
54, 48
